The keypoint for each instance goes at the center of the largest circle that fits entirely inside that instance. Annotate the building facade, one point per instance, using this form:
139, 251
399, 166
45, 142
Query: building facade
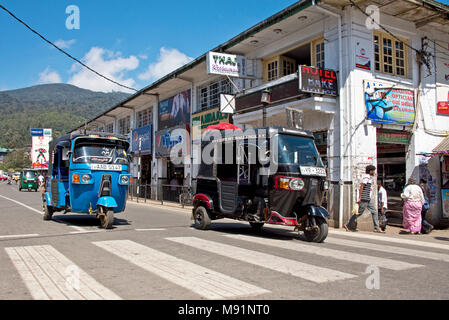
383, 100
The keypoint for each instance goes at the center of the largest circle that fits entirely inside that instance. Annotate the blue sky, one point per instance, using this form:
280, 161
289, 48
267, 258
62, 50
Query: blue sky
133, 42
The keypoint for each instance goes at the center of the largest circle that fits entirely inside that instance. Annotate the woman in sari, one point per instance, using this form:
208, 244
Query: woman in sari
413, 202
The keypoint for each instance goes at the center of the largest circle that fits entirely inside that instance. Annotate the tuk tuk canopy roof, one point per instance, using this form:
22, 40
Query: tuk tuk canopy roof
70, 136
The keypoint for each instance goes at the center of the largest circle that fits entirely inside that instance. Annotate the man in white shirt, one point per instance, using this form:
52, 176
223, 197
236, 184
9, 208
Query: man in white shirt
382, 204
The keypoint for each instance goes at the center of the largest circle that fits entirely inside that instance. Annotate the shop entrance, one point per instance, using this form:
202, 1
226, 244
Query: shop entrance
175, 177
391, 170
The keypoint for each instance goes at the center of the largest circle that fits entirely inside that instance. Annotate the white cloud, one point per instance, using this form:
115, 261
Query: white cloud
168, 60
49, 76
64, 44
108, 63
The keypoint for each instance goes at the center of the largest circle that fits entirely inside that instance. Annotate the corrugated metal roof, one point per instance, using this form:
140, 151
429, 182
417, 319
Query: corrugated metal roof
443, 146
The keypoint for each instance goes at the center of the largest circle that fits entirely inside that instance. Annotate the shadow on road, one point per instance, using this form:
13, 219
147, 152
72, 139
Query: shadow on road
266, 232
85, 221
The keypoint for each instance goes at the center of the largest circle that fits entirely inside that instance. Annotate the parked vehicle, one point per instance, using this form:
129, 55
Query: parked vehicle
28, 180
290, 195
3, 177
87, 173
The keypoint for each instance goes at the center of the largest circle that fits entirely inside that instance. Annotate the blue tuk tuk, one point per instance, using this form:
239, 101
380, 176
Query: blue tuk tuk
88, 173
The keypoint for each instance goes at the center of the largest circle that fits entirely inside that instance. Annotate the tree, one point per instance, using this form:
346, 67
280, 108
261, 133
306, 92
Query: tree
15, 160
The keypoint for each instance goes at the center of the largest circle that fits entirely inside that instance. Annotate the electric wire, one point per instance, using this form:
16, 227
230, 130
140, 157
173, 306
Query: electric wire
64, 52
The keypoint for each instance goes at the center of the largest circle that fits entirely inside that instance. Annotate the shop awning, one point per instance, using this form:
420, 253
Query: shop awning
443, 146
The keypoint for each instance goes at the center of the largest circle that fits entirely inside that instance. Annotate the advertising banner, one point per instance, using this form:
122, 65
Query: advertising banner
445, 202
227, 65
142, 138
386, 104
36, 132
315, 80
39, 152
208, 118
362, 60
174, 111
167, 139
443, 101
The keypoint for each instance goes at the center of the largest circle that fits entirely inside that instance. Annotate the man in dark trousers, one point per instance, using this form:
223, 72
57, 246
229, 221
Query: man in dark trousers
365, 201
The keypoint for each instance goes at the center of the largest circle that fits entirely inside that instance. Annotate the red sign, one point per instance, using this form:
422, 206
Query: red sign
443, 106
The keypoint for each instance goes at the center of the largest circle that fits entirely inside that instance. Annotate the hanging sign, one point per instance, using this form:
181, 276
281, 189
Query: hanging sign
315, 80
227, 65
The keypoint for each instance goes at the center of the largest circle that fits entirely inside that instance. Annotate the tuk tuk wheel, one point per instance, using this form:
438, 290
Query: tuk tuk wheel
106, 218
319, 233
201, 218
48, 212
20, 189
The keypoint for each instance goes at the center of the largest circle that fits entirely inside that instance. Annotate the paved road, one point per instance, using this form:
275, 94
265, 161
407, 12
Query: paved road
154, 253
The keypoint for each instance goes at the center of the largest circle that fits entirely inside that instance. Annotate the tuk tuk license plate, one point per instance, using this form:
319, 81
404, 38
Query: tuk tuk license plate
313, 171
106, 167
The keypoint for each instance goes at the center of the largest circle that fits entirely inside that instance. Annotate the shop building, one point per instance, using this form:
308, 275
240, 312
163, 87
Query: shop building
377, 93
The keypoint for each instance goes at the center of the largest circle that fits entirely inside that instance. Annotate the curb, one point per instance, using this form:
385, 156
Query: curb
171, 205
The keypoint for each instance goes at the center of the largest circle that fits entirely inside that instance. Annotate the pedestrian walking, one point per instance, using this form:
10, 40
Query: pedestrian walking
41, 180
365, 201
426, 226
382, 205
413, 202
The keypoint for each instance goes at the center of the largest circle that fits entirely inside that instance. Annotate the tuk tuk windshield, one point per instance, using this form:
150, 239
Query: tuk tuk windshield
298, 150
30, 174
100, 152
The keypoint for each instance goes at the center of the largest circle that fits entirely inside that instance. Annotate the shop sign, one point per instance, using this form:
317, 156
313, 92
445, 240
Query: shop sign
315, 80
395, 137
445, 202
227, 65
386, 104
442, 106
141, 140
362, 61
37, 132
208, 118
174, 111
166, 140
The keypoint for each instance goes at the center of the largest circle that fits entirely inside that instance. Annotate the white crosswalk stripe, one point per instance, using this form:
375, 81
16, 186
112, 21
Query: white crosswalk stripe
389, 249
44, 271
335, 254
203, 281
291, 267
390, 239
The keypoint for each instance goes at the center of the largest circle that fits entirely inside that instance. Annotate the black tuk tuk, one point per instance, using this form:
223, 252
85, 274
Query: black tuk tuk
274, 175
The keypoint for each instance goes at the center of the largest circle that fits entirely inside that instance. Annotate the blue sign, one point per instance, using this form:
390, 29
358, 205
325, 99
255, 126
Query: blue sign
142, 140
37, 132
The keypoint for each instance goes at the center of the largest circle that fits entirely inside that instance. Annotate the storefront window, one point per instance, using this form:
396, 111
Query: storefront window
109, 128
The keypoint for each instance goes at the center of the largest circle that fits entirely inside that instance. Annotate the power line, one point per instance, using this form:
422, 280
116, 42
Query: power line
64, 52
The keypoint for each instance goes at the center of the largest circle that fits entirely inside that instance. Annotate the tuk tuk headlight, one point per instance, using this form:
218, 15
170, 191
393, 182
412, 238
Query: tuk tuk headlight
85, 178
125, 179
296, 184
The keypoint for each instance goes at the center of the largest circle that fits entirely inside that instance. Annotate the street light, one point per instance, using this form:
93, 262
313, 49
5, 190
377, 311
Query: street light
265, 99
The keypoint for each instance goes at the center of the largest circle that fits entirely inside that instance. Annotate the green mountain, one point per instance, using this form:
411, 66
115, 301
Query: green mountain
60, 107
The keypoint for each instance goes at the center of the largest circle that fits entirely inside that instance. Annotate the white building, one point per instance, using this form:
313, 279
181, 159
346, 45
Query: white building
401, 46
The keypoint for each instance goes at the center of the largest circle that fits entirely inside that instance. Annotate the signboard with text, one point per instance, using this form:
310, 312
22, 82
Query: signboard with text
385, 103
227, 65
320, 81
141, 140
208, 118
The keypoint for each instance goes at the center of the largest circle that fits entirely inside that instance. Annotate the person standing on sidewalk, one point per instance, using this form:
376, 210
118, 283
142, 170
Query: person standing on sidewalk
413, 202
382, 204
426, 226
365, 201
